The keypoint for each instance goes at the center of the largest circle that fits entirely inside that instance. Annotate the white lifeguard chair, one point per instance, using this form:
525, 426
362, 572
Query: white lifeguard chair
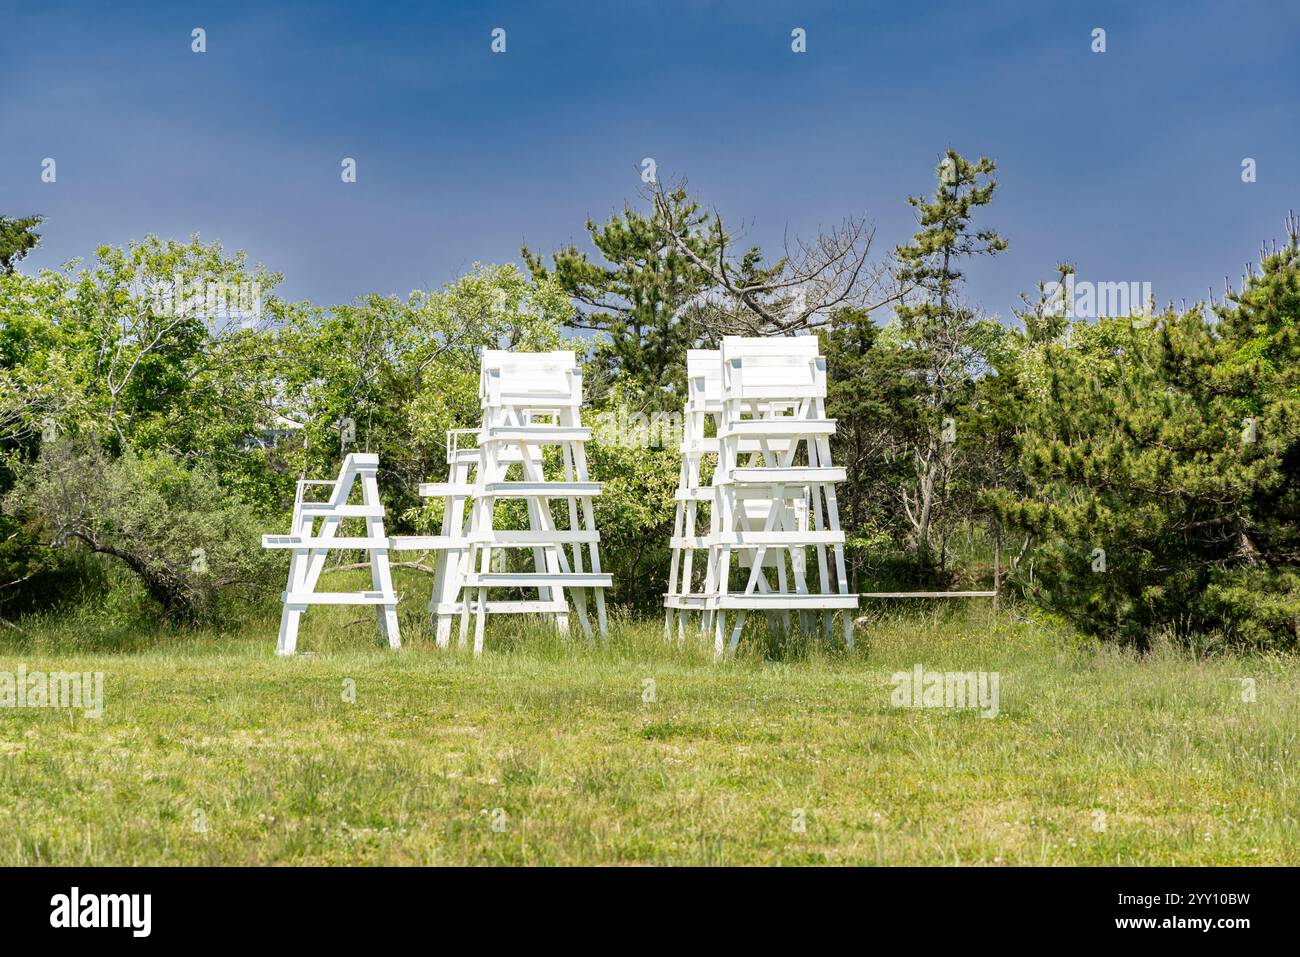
701, 417
530, 402
445, 605
774, 490
310, 546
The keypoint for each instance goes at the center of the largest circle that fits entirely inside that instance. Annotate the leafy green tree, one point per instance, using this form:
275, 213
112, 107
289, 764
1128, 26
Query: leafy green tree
133, 352
409, 373
17, 238
635, 516
133, 348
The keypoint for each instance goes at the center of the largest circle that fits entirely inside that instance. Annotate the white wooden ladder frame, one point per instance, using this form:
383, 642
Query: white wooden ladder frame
768, 419
310, 547
518, 391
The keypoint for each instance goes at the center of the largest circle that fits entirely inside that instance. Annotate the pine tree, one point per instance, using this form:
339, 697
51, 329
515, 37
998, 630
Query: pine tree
876, 412
942, 335
640, 297
17, 238
1163, 461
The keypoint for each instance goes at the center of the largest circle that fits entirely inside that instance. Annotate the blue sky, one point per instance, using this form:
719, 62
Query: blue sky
1127, 163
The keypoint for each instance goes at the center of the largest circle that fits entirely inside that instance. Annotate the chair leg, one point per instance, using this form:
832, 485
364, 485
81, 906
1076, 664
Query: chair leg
288, 641
601, 621
735, 632
479, 621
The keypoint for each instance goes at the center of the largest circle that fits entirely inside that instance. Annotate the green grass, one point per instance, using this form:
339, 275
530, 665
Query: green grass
267, 756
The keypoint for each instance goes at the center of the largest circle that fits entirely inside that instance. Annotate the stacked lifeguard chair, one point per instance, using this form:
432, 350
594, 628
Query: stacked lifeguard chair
311, 545
701, 417
530, 403
445, 605
772, 498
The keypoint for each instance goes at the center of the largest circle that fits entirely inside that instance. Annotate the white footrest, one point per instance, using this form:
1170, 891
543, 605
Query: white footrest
787, 476
541, 489
544, 434
539, 580
421, 543
777, 601
338, 598
788, 427
318, 542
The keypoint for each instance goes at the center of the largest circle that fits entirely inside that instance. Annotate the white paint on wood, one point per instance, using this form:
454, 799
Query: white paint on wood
311, 542
771, 504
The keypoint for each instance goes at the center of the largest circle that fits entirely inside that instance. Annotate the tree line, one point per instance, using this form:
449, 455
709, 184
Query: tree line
1130, 474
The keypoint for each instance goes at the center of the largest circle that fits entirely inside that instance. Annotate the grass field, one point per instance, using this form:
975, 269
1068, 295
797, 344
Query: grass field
545, 751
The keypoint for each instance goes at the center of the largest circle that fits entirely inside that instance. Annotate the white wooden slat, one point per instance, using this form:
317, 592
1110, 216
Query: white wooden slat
536, 434
318, 542
342, 511
809, 602
789, 476
338, 598
785, 426
760, 538
444, 489
928, 594
536, 579
413, 543
534, 536
540, 489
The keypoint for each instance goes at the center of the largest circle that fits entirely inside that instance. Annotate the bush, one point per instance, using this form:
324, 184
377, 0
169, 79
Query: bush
188, 540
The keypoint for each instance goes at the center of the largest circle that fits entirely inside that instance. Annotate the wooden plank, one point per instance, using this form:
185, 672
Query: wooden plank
694, 601
805, 539
792, 475
307, 542
343, 511
785, 426
499, 536
541, 489
929, 594
775, 601
540, 579
411, 543
536, 433
704, 494
444, 489
338, 598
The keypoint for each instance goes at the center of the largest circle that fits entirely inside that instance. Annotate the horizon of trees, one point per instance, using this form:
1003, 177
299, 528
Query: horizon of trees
1130, 474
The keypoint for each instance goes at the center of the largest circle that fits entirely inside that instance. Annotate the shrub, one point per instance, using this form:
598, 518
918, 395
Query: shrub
187, 539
